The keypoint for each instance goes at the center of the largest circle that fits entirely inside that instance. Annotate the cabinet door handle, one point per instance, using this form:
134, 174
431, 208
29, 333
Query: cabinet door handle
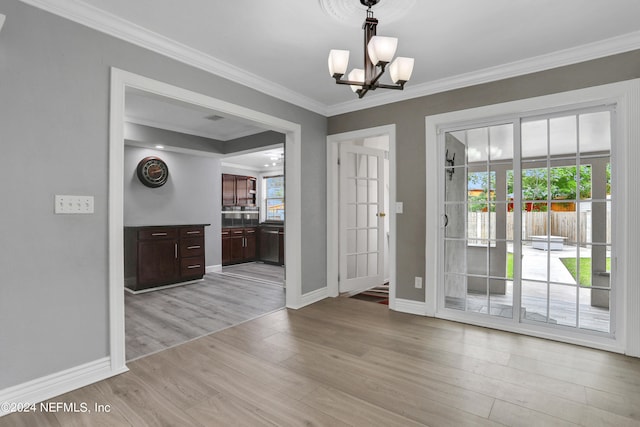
158, 234
175, 250
193, 247
193, 232
194, 266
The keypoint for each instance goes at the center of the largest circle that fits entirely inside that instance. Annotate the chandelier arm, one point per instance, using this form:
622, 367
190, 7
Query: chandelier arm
399, 86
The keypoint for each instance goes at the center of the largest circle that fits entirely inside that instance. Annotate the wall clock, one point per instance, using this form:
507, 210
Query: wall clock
153, 172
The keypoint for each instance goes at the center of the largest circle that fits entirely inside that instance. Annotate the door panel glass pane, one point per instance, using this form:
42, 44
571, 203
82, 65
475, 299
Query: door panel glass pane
351, 191
477, 145
351, 241
500, 143
373, 167
362, 241
501, 182
455, 254
477, 260
456, 218
597, 268
594, 309
362, 216
535, 222
534, 139
373, 240
501, 298
362, 265
477, 222
373, 215
562, 305
373, 264
373, 191
564, 268
362, 191
499, 258
350, 165
455, 290
477, 297
534, 262
362, 165
534, 184
351, 216
564, 225
534, 301
351, 267
595, 132
499, 222
595, 222
563, 136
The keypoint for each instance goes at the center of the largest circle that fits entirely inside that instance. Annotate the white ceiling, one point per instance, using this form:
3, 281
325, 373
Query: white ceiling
260, 161
281, 48
148, 109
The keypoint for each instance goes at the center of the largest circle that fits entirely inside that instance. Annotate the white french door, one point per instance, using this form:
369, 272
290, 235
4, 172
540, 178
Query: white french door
526, 211
361, 218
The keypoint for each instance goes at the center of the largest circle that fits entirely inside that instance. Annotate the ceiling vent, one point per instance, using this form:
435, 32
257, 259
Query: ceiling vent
214, 118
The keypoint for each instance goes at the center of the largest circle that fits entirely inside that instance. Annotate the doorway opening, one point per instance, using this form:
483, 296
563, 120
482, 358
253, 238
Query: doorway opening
361, 214
120, 82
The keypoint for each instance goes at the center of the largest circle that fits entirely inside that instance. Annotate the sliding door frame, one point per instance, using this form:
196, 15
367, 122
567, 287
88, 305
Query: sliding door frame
626, 97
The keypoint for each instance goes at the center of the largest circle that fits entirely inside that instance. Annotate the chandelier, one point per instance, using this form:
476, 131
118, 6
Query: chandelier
378, 52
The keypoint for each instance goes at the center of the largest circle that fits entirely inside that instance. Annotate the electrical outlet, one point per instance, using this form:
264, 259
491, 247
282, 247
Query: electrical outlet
73, 204
418, 282
399, 207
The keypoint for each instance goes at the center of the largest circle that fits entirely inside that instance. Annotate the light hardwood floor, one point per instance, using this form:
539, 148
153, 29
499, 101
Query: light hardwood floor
349, 362
164, 318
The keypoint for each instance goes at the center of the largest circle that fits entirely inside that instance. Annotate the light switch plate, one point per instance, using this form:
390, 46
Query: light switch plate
73, 204
399, 207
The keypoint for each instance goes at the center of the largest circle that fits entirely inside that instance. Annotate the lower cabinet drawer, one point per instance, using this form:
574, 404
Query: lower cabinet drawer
191, 267
192, 247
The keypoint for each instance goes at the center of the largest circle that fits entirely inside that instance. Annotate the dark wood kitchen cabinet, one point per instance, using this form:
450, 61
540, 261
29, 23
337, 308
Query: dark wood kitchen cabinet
238, 190
238, 245
163, 255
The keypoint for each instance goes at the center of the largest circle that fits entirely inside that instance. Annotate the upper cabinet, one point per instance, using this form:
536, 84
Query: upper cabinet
238, 190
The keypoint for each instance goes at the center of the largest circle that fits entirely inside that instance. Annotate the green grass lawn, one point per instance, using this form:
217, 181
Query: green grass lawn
585, 268
509, 265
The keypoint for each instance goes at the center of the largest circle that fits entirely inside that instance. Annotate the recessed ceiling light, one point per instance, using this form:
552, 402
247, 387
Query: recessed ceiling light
273, 164
266, 166
160, 147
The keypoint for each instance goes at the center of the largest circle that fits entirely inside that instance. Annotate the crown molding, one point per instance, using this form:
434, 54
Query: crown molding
587, 52
115, 26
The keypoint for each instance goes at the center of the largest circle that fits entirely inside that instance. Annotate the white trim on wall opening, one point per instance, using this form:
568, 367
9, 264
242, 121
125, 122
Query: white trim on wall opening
626, 96
120, 80
333, 142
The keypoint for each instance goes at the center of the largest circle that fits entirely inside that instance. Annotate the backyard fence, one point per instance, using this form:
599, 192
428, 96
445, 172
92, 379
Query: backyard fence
482, 225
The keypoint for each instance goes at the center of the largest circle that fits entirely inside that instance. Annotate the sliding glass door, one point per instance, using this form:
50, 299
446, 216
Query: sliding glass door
527, 208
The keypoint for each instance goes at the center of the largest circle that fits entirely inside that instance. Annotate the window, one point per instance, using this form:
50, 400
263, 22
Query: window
274, 198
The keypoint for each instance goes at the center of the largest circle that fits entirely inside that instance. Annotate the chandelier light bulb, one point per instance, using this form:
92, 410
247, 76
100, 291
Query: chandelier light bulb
338, 61
356, 75
400, 70
382, 49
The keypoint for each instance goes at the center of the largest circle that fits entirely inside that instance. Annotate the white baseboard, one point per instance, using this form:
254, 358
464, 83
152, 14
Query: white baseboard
311, 297
410, 306
213, 268
53, 385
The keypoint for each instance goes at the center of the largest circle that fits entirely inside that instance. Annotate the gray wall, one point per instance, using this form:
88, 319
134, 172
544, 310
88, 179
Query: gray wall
192, 195
410, 127
263, 139
54, 119
152, 136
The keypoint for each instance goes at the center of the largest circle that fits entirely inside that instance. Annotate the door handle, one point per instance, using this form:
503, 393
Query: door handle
446, 220
381, 214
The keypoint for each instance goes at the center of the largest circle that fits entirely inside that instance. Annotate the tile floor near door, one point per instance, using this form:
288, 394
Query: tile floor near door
164, 318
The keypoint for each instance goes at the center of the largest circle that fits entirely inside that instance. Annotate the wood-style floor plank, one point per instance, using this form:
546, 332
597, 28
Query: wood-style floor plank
347, 362
164, 318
